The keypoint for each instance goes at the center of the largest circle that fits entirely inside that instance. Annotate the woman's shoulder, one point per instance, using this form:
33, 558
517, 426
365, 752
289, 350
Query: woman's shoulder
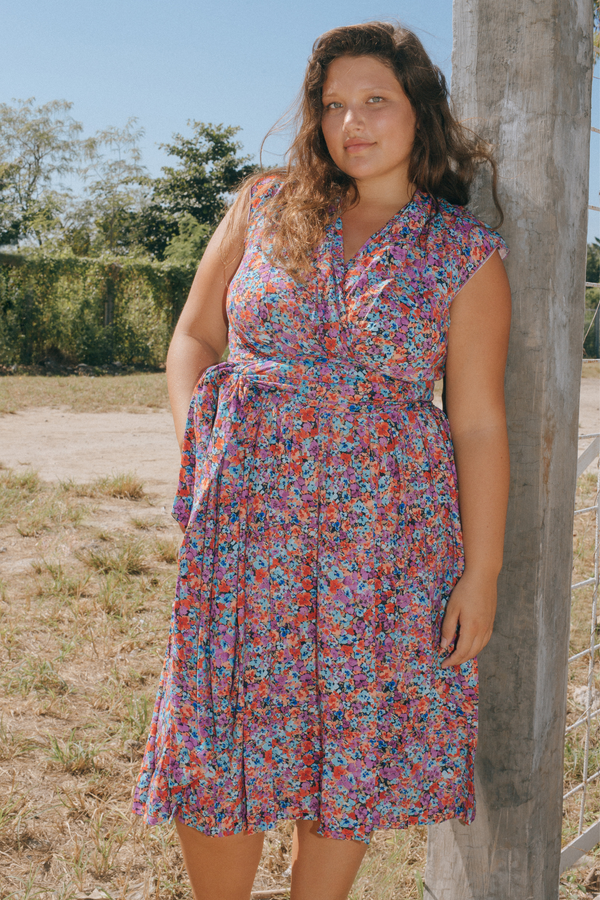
263, 188
457, 226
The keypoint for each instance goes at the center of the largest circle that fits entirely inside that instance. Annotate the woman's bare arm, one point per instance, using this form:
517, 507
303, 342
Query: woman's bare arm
200, 336
477, 350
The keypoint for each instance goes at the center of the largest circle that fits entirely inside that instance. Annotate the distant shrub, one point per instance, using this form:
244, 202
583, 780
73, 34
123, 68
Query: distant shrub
88, 311
590, 348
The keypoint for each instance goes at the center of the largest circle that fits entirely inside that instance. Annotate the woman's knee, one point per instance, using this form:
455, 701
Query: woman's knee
220, 867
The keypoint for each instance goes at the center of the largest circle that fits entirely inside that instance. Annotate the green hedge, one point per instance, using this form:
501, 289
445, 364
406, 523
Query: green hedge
590, 348
88, 311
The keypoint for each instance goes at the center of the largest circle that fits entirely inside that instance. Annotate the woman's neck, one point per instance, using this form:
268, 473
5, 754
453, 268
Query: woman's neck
378, 196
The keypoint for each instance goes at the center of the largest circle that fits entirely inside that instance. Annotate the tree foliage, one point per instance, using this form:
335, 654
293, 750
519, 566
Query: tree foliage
93, 311
109, 205
208, 169
592, 298
38, 146
115, 180
592, 269
188, 245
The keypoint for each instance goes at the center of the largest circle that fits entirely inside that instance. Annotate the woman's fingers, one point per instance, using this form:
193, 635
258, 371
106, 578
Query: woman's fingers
449, 625
470, 612
467, 647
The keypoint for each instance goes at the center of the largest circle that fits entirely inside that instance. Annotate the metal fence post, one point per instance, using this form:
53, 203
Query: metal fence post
521, 76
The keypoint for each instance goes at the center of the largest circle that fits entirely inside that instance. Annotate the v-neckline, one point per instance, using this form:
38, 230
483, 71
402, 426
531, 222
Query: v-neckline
339, 227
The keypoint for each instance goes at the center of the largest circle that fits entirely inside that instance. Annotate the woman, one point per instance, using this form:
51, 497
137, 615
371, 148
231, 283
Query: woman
333, 595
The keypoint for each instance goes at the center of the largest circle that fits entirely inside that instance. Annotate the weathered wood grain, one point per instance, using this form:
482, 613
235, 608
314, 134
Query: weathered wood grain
521, 76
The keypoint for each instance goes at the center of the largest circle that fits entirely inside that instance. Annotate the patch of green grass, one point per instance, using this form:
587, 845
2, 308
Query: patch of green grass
167, 550
73, 756
69, 647
136, 723
16, 489
127, 558
35, 674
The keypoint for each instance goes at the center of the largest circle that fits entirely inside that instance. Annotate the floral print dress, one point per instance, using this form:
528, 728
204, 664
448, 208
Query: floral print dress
302, 677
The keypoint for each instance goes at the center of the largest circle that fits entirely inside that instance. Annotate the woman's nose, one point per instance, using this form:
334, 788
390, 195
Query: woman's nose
352, 118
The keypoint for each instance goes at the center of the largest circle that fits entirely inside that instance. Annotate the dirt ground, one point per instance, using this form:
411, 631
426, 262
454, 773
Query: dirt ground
61, 444
64, 445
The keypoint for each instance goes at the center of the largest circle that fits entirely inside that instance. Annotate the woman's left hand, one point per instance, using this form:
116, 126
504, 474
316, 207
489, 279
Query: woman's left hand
471, 608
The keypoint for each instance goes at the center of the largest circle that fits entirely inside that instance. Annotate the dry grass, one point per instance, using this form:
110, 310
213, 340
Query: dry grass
590, 368
137, 392
126, 486
82, 631
83, 625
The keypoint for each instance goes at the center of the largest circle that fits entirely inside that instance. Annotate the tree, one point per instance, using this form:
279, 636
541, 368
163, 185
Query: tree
116, 184
38, 146
596, 29
592, 298
592, 269
200, 185
10, 224
186, 247
120, 209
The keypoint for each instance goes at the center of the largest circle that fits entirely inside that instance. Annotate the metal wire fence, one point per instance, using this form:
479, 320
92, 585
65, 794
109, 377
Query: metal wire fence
581, 800
582, 738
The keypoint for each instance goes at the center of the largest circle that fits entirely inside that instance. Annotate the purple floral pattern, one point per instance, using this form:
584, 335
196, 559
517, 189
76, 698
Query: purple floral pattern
302, 677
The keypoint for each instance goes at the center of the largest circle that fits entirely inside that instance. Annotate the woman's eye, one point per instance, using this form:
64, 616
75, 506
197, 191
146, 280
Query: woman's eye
335, 104
375, 99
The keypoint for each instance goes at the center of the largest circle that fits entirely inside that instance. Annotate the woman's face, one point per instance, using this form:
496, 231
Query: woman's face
368, 121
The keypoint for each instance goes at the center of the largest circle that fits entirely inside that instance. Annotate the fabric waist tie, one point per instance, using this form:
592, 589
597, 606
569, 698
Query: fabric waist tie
310, 381
317, 382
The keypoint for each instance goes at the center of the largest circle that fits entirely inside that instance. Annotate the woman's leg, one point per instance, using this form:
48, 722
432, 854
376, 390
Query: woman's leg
220, 868
323, 868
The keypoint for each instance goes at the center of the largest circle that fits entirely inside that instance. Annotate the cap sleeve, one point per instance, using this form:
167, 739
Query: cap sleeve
475, 243
260, 192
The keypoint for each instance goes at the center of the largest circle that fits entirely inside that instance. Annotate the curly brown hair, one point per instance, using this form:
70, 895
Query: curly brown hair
444, 158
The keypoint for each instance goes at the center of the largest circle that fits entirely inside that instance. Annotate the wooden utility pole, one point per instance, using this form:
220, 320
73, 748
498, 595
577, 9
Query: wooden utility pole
521, 76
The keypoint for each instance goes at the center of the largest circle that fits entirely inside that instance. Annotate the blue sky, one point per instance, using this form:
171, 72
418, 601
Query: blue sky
228, 61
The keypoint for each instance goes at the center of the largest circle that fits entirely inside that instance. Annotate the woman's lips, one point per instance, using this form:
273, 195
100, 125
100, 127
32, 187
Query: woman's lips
358, 145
